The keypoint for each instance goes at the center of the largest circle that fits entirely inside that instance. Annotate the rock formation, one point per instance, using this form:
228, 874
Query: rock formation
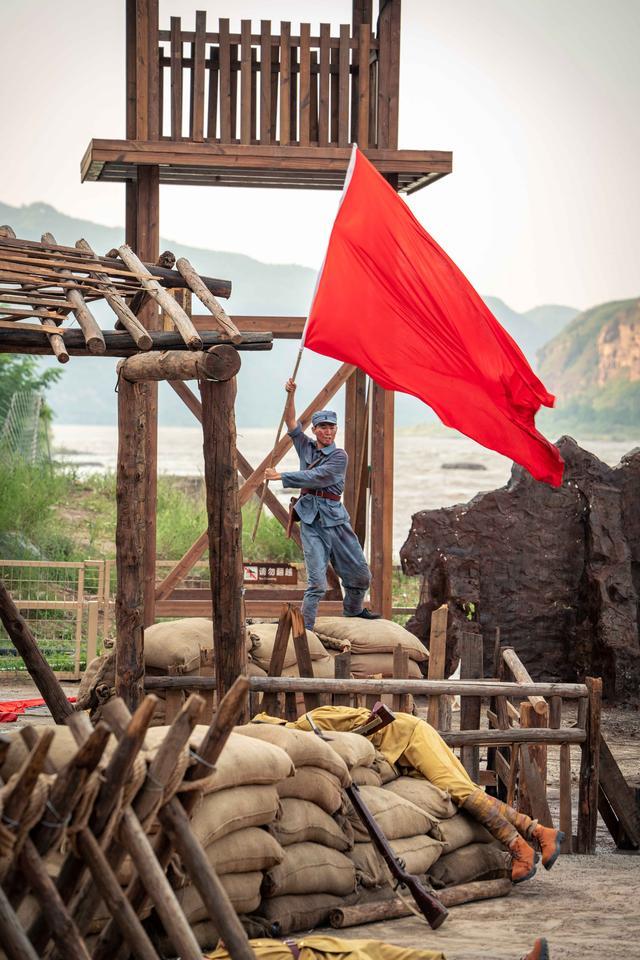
558, 570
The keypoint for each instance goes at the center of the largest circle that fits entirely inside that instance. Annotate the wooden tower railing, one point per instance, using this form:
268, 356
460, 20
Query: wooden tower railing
275, 88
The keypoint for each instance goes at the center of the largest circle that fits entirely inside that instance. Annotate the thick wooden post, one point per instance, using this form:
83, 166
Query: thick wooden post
224, 531
382, 423
590, 771
470, 707
356, 431
131, 490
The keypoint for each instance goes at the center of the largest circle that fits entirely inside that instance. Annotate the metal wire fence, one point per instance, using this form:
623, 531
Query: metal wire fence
20, 428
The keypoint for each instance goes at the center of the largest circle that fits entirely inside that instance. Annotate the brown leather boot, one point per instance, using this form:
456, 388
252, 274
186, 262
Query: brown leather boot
539, 951
523, 865
550, 841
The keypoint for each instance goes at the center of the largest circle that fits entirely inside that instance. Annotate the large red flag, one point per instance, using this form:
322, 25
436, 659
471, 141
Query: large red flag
390, 301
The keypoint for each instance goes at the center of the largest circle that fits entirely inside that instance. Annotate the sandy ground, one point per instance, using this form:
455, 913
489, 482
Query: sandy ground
587, 907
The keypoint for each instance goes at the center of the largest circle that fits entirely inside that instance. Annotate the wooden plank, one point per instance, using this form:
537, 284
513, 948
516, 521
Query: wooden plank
233, 99
313, 96
589, 770
293, 88
342, 665
471, 668
197, 73
176, 78
401, 701
224, 531
285, 82
254, 95
364, 41
323, 102
303, 656
334, 82
522, 675
274, 84
621, 798
282, 328
382, 438
437, 659
530, 778
343, 85
131, 489
278, 656
212, 105
265, 82
565, 797
225, 82
305, 84
246, 93
354, 440
530, 718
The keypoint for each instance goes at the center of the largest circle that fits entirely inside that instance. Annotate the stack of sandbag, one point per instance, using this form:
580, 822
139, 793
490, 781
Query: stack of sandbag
371, 644
239, 801
405, 826
262, 638
315, 873
469, 852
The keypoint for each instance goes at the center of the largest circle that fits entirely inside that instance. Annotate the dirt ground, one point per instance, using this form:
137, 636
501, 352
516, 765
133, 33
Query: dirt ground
588, 907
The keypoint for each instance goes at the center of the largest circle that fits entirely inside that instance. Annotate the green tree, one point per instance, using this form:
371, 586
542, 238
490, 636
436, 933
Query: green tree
19, 372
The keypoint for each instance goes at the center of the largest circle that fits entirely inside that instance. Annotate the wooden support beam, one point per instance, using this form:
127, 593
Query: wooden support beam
224, 531
439, 710
208, 300
131, 514
471, 668
616, 794
589, 770
27, 646
382, 441
356, 428
303, 656
219, 363
278, 656
522, 675
86, 320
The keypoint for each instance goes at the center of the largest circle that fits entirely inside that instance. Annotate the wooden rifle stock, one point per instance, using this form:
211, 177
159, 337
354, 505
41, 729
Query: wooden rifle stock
381, 716
431, 908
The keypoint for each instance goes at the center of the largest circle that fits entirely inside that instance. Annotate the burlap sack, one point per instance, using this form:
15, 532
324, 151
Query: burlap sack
366, 777
305, 749
373, 664
263, 636
301, 821
369, 636
478, 861
418, 854
218, 814
243, 890
435, 802
310, 868
459, 831
316, 785
177, 643
323, 668
388, 771
299, 912
245, 851
243, 761
355, 750
396, 817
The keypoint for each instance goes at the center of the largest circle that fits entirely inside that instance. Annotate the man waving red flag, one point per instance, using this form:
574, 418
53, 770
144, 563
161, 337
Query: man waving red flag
390, 301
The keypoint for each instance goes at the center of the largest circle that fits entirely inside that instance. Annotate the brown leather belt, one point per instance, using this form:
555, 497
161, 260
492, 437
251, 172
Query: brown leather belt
322, 493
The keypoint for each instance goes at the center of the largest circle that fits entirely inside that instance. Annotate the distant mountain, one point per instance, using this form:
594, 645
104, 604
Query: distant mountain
84, 394
593, 367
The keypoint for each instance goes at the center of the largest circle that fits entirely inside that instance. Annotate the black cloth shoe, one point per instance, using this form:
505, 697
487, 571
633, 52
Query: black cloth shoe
368, 615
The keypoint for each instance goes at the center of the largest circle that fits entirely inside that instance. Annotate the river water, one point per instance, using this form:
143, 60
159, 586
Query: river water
421, 479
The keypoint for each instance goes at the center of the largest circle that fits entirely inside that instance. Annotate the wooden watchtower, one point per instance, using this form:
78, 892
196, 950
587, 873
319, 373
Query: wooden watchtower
206, 106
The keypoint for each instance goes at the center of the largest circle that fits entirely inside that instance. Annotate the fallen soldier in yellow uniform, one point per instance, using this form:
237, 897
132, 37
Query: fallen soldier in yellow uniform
412, 742
333, 948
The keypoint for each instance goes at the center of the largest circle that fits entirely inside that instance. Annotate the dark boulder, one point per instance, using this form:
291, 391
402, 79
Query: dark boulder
557, 570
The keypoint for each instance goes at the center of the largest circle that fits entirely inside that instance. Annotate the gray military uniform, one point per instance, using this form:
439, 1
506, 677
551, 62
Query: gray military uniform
325, 528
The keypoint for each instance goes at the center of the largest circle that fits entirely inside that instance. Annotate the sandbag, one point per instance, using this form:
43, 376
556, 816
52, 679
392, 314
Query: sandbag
373, 664
366, 777
316, 785
243, 761
387, 771
310, 868
245, 851
355, 750
301, 912
478, 861
323, 668
302, 821
243, 889
263, 636
369, 636
418, 853
234, 809
459, 831
177, 643
304, 749
396, 817
435, 802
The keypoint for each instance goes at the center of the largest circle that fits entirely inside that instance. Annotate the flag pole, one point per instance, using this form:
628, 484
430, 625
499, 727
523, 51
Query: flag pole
265, 483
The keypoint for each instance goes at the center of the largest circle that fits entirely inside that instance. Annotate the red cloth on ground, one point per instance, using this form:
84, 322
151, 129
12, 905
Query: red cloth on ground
10, 709
390, 301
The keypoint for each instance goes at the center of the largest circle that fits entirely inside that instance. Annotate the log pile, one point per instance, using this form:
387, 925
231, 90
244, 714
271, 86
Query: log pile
557, 570
56, 285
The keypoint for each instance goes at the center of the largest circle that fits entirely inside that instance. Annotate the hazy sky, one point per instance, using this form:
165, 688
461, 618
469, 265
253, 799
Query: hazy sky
538, 99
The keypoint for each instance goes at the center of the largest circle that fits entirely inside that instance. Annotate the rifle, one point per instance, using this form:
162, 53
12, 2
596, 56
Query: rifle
434, 912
